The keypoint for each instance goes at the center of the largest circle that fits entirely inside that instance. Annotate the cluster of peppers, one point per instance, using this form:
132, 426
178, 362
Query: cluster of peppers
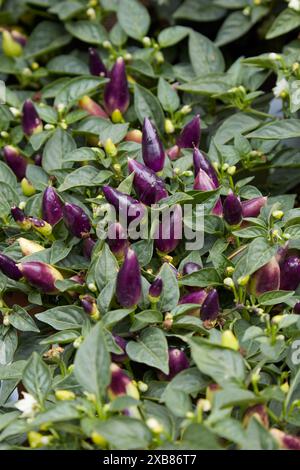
282, 272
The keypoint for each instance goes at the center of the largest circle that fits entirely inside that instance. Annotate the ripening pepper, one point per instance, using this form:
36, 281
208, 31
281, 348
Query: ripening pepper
129, 281
19, 37
16, 162
96, 65
28, 247
252, 207
127, 207
38, 159
87, 247
51, 206
121, 385
135, 135
91, 107
40, 275
286, 441
117, 240
190, 134
204, 183
148, 186
178, 362
27, 187
9, 267
90, 306
259, 412
152, 148
155, 289
76, 220
40, 226
173, 152
232, 210
290, 273
121, 342
200, 161
116, 92
211, 307
10, 46
31, 122
266, 279
190, 267
20, 218
195, 297
169, 231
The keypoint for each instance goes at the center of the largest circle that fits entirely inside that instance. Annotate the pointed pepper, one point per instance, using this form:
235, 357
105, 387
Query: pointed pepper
129, 281
76, 220
148, 186
152, 148
51, 206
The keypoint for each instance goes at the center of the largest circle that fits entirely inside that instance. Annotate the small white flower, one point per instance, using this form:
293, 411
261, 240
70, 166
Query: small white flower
28, 405
274, 56
294, 5
282, 86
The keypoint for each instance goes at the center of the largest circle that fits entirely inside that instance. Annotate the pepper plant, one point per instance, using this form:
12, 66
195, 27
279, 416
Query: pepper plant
115, 111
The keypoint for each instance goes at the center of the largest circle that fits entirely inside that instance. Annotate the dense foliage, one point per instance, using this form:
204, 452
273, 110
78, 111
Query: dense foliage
141, 343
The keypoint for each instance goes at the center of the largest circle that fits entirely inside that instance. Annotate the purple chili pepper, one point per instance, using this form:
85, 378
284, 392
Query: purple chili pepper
9, 268
290, 273
190, 267
38, 159
204, 183
232, 210
169, 231
51, 206
201, 162
129, 281
152, 147
87, 247
148, 186
31, 121
155, 289
19, 37
116, 92
90, 306
266, 279
211, 306
197, 297
91, 107
96, 65
190, 134
121, 384
121, 357
297, 308
178, 362
16, 162
40, 275
127, 207
20, 218
252, 207
286, 441
259, 412
117, 239
76, 220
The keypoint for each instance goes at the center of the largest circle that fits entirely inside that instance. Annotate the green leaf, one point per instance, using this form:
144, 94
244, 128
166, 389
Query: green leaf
170, 291
167, 96
277, 130
123, 432
87, 31
275, 297
286, 21
151, 348
84, 176
199, 436
147, 105
62, 337
65, 317
102, 128
236, 25
46, 37
221, 364
204, 55
134, 18
204, 278
92, 362
36, 377
170, 36
259, 253
67, 65
60, 144
12, 371
106, 267
78, 87
22, 321
199, 10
